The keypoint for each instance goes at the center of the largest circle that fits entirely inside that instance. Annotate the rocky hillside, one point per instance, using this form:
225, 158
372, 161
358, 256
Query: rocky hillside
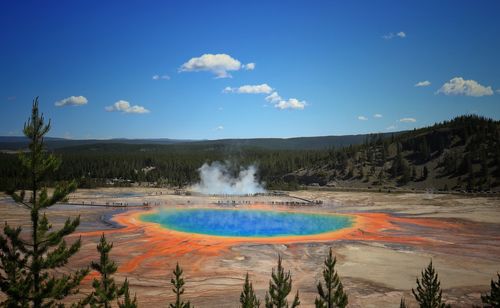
461, 155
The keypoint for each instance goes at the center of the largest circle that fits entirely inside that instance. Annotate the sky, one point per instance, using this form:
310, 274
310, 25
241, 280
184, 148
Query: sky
243, 69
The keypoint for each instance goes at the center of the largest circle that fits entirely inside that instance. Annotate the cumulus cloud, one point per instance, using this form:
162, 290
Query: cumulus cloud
424, 83
250, 89
377, 115
460, 86
158, 77
273, 98
280, 103
124, 106
291, 103
72, 101
362, 118
218, 64
249, 66
408, 120
392, 35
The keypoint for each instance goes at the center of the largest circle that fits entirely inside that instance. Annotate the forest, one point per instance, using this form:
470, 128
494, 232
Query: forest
461, 154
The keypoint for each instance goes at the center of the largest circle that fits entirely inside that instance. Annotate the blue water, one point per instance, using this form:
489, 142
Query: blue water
247, 223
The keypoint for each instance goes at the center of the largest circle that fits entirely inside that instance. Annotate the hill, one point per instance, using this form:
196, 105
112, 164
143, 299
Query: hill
462, 154
298, 143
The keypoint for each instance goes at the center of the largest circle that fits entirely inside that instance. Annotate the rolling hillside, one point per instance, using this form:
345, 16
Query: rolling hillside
462, 155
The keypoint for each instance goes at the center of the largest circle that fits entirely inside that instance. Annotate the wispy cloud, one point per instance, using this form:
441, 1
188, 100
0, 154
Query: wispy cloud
220, 127
72, 101
11, 98
282, 104
392, 35
362, 118
424, 83
125, 107
218, 64
377, 115
407, 120
460, 86
160, 77
249, 66
250, 89
392, 127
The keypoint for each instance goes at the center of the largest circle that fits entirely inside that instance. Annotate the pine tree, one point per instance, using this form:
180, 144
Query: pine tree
127, 301
493, 298
402, 304
178, 283
248, 298
27, 264
425, 173
105, 288
428, 293
280, 286
333, 296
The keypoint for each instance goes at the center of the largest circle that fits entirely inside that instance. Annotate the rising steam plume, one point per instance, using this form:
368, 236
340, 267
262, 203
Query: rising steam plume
216, 178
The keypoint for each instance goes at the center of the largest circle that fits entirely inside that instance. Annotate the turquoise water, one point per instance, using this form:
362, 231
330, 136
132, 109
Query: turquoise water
247, 223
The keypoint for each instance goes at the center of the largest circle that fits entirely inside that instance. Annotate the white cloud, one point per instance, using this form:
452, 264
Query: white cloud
249, 66
408, 120
460, 86
218, 64
362, 118
291, 103
392, 127
424, 83
273, 98
72, 101
158, 77
377, 115
280, 103
392, 35
250, 89
124, 106
220, 127
498, 91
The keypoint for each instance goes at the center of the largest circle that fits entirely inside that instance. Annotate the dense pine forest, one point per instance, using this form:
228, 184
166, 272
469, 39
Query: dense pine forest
458, 155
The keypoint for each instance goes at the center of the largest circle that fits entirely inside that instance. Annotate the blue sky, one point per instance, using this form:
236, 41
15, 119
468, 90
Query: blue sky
333, 65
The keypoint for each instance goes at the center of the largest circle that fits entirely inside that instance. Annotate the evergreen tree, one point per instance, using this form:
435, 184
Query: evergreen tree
127, 301
280, 286
425, 173
428, 293
402, 304
178, 283
26, 265
333, 296
248, 298
105, 288
493, 298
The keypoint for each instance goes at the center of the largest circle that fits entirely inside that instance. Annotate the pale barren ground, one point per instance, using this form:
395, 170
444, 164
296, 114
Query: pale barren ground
375, 273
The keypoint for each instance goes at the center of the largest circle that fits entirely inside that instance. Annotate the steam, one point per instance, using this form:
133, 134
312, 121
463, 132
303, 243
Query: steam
216, 179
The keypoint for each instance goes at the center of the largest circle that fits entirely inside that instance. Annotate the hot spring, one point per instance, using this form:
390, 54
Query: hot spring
247, 223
